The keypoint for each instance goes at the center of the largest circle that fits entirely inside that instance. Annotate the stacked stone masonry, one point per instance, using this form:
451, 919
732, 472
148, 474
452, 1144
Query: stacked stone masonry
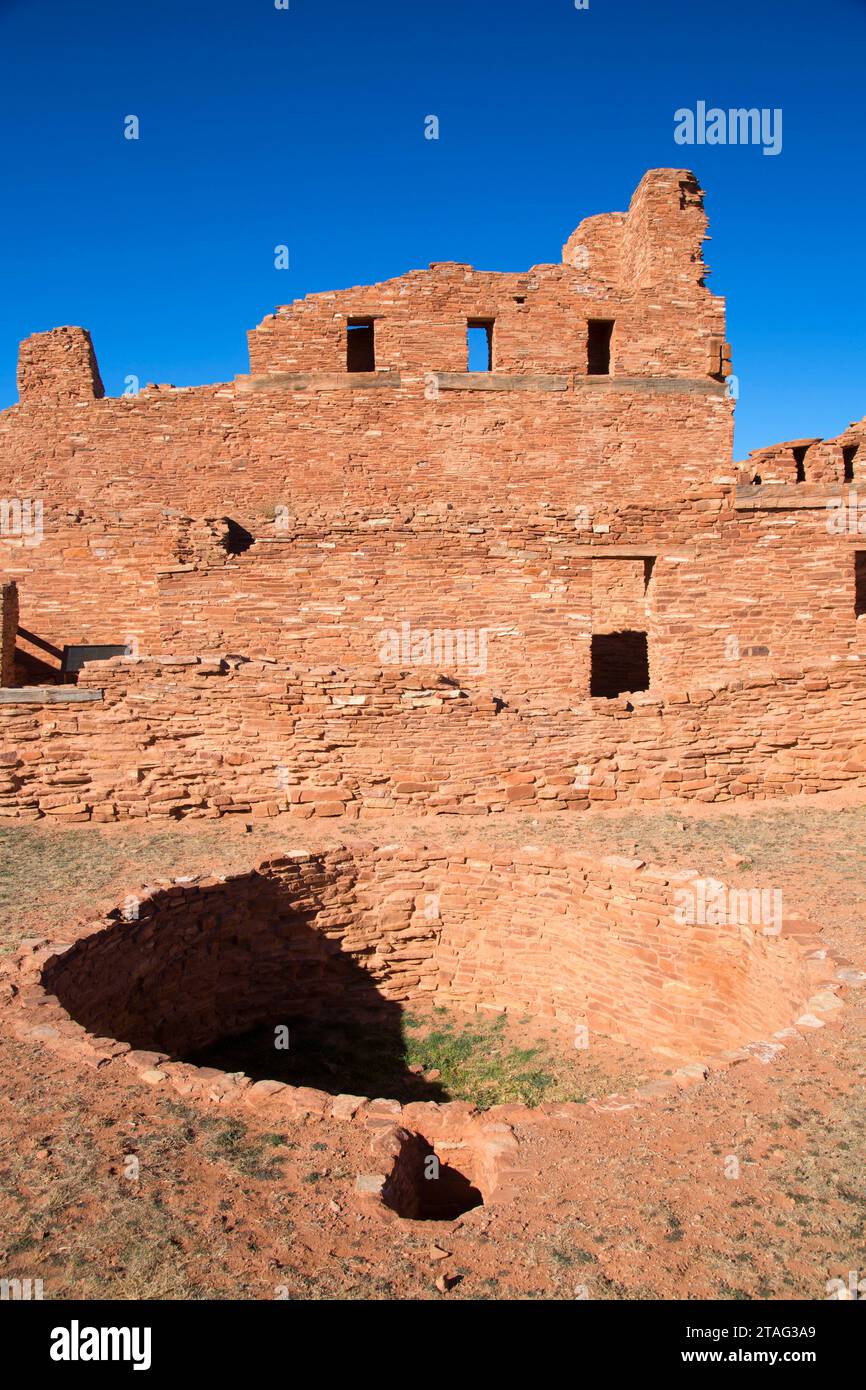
599, 943
161, 738
474, 561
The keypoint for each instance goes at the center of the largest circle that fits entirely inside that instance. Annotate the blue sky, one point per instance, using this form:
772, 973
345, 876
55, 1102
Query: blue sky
305, 127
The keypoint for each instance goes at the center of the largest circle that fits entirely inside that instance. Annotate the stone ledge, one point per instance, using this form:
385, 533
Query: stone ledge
535, 381
476, 381
783, 497
659, 385
598, 550
498, 381
48, 695
319, 381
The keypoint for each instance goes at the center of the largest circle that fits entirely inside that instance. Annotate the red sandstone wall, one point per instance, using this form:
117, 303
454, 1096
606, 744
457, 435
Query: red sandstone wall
736, 585
644, 269
483, 483
763, 569
411, 496
476, 492
170, 738
58, 368
823, 461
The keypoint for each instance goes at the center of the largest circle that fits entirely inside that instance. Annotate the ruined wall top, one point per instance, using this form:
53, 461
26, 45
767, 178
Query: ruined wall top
809, 460
656, 244
640, 273
59, 367
615, 267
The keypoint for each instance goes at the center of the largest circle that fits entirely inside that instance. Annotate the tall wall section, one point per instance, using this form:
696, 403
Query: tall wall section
418, 492
8, 632
539, 503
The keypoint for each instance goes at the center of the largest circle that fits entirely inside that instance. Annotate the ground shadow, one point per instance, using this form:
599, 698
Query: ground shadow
355, 1056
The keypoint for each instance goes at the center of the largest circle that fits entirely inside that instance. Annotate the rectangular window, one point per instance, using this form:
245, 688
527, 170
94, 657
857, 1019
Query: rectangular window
598, 340
859, 582
849, 453
360, 346
800, 462
479, 342
620, 663
74, 657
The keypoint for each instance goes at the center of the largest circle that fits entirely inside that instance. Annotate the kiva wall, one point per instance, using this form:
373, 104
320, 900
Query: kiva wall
599, 943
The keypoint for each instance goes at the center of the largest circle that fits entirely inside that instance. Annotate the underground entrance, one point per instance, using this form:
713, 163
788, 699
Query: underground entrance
425, 974
422, 1186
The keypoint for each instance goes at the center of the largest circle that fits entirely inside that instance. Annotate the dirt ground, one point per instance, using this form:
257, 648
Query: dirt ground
647, 1203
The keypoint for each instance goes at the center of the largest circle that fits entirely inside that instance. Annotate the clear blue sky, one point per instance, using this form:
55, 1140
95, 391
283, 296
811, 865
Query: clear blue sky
306, 127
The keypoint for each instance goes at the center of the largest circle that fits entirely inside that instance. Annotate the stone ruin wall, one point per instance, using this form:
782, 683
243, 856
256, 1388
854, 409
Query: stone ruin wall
206, 739
537, 502
433, 498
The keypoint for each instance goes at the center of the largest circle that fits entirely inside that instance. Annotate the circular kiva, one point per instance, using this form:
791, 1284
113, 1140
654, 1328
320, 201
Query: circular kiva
641, 955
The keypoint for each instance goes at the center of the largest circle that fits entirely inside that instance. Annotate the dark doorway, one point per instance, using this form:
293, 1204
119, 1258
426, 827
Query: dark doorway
599, 335
360, 345
620, 663
859, 583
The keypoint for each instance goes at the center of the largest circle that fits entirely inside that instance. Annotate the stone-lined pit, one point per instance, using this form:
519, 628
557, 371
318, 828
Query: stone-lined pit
426, 1185
359, 933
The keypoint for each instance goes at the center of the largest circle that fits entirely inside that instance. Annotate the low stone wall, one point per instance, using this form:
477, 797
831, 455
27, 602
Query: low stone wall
360, 933
190, 737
